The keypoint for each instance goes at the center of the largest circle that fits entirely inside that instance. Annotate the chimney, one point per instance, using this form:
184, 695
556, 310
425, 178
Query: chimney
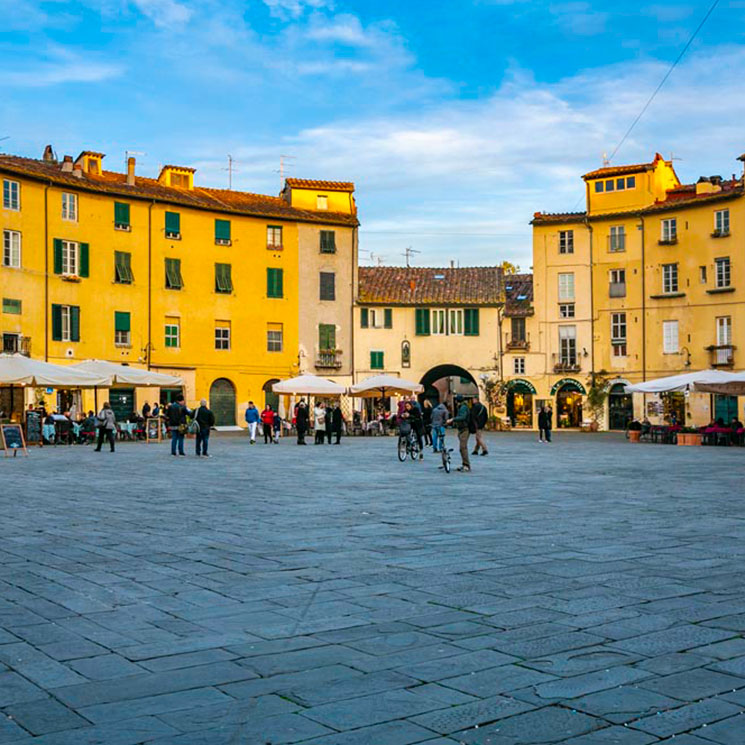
452, 264
48, 156
77, 170
67, 164
130, 171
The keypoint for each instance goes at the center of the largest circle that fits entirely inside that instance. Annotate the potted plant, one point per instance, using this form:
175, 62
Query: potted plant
635, 431
597, 395
689, 437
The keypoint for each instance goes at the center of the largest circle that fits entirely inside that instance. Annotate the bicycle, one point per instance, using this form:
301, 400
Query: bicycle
408, 445
445, 452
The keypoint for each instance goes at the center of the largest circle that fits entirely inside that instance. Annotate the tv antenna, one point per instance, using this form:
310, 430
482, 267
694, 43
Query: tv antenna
130, 153
283, 165
230, 170
408, 253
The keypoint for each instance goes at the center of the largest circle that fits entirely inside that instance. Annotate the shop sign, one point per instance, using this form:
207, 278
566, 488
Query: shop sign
521, 383
568, 384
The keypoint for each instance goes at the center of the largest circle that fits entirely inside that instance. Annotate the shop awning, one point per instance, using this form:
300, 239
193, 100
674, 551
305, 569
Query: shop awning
568, 384
126, 375
733, 386
520, 385
16, 369
685, 382
309, 385
379, 386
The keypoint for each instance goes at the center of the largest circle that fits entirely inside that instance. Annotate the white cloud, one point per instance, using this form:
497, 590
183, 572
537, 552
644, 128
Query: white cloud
59, 66
165, 13
286, 9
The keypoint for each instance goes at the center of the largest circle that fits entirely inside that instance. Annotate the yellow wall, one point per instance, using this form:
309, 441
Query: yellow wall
307, 199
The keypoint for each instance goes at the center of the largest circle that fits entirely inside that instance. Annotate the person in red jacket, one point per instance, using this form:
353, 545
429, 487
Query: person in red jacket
267, 419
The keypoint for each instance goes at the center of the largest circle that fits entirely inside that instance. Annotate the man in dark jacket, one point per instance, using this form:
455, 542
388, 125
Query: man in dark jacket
479, 418
544, 424
336, 423
176, 421
301, 422
205, 419
462, 421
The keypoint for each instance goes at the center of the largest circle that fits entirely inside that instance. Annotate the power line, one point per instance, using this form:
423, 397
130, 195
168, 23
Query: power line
430, 232
664, 79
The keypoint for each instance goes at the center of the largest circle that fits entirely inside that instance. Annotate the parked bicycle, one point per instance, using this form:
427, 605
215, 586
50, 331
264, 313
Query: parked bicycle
408, 445
444, 450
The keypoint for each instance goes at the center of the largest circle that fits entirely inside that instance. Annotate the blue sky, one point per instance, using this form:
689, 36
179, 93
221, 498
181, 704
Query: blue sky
456, 119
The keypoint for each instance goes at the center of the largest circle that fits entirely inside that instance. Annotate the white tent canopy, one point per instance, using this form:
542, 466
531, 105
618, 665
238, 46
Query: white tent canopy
16, 369
126, 375
686, 382
379, 386
309, 385
733, 386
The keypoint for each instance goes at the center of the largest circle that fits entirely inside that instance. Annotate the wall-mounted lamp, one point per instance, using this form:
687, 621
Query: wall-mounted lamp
687, 353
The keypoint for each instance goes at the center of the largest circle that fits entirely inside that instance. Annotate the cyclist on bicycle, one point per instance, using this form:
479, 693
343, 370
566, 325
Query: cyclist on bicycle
440, 415
413, 414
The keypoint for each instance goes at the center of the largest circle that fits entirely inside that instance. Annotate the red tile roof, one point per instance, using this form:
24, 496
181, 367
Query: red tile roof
395, 285
218, 200
559, 217
518, 295
620, 170
303, 183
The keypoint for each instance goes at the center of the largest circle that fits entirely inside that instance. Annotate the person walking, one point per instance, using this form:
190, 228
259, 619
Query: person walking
252, 419
440, 415
267, 420
544, 424
462, 420
205, 420
301, 422
337, 419
319, 421
106, 422
479, 418
277, 427
176, 420
427, 421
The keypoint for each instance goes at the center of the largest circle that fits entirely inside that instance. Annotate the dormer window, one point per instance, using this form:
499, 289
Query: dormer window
180, 180
322, 202
177, 177
90, 162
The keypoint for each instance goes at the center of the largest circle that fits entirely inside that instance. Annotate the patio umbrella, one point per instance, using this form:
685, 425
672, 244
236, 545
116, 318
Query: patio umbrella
733, 386
684, 382
16, 369
126, 375
308, 385
380, 386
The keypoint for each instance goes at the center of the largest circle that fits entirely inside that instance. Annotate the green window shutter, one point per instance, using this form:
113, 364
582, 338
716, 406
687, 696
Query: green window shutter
74, 323
56, 323
471, 321
327, 286
328, 242
223, 279
364, 318
123, 267
121, 215
11, 306
376, 360
274, 286
173, 223
388, 318
84, 260
174, 279
121, 321
422, 321
58, 256
222, 230
177, 271
326, 336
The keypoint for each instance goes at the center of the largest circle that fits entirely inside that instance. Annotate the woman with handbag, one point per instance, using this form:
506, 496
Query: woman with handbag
106, 423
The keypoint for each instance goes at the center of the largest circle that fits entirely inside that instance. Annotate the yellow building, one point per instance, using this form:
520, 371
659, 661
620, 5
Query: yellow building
160, 273
667, 288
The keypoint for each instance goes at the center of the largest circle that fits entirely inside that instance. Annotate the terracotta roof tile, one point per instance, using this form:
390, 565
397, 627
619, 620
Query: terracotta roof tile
619, 170
219, 200
303, 183
518, 295
476, 285
548, 217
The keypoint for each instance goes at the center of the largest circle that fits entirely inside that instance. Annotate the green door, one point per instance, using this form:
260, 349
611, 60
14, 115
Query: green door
620, 407
122, 402
725, 407
270, 397
222, 402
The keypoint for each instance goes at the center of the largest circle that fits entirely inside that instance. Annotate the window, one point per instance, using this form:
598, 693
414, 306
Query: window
326, 337
364, 318
670, 337
568, 345
439, 322
376, 361
174, 280
274, 337
518, 330
12, 306
702, 275
617, 238
274, 281
222, 232
223, 279
11, 343
566, 286
222, 335
620, 184
380, 318
70, 256
631, 182
598, 187
12, 248
422, 324
610, 185
566, 310
388, 318
723, 271
617, 283
669, 230
724, 331
566, 241
65, 323
121, 216
669, 278
618, 334
518, 365
721, 222
328, 242
173, 225
322, 202
11, 195
456, 321
327, 286
121, 328
471, 321
69, 206
180, 180
173, 333
274, 236
123, 268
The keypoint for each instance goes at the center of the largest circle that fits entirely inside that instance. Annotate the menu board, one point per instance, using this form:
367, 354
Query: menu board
12, 439
33, 427
152, 429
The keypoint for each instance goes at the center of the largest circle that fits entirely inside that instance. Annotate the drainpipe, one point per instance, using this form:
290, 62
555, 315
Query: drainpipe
355, 250
46, 273
644, 303
149, 281
592, 307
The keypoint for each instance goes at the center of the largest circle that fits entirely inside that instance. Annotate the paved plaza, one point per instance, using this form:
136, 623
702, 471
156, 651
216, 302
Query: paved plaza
587, 592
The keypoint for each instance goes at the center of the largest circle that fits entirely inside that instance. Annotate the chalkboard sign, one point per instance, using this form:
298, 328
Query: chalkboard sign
152, 429
12, 437
33, 427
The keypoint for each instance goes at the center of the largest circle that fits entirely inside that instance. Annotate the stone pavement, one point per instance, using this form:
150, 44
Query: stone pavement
587, 592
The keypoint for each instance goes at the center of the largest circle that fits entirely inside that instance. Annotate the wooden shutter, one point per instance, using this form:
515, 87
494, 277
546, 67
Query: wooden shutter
121, 214
422, 321
84, 260
326, 336
121, 321
274, 283
123, 267
328, 286
56, 323
471, 321
388, 318
227, 277
364, 318
222, 230
376, 360
58, 256
328, 241
74, 323
173, 222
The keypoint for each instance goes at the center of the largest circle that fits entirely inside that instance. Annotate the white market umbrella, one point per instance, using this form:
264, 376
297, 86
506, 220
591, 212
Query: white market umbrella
126, 375
733, 386
308, 385
380, 386
684, 382
16, 369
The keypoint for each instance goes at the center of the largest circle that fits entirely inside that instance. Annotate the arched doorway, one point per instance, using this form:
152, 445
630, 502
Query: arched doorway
520, 402
222, 402
444, 382
270, 397
620, 407
568, 394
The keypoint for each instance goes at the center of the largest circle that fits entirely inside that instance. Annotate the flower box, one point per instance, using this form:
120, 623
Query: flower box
689, 439
634, 435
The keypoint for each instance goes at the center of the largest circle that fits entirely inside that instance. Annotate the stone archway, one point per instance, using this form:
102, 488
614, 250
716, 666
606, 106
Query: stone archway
222, 402
444, 382
620, 406
270, 397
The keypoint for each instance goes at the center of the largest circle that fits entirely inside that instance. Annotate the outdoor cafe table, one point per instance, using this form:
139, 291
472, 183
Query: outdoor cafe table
663, 433
716, 435
127, 429
48, 432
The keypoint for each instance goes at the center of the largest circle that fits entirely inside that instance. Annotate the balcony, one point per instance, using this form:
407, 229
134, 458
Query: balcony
566, 365
721, 233
668, 241
521, 343
722, 355
329, 359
